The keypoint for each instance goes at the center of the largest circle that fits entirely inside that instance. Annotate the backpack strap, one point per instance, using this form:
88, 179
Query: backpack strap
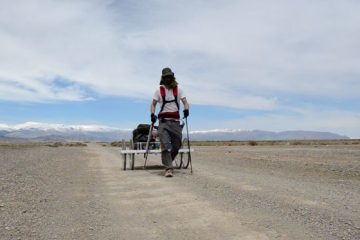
163, 95
175, 93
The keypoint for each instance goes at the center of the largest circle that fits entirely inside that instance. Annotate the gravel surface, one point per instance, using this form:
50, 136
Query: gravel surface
235, 192
49, 193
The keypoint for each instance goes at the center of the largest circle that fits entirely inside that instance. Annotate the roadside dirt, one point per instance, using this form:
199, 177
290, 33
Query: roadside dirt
235, 192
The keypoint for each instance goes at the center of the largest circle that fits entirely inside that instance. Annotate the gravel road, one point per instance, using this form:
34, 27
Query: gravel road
235, 192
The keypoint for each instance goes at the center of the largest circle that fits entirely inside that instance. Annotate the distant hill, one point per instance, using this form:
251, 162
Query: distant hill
32, 131
241, 135
58, 132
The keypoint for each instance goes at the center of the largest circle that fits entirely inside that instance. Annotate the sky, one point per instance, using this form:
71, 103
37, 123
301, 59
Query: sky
269, 65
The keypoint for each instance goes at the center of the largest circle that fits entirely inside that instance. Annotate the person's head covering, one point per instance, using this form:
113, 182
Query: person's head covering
167, 72
168, 78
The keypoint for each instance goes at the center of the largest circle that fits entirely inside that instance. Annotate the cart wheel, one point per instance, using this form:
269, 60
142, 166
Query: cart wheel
132, 156
132, 161
124, 162
178, 161
186, 160
185, 156
123, 147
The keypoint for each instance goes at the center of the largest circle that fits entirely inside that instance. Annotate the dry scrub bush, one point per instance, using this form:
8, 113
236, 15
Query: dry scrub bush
253, 143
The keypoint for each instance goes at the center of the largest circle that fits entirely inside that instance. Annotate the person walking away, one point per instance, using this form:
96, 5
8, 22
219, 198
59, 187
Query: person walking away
168, 95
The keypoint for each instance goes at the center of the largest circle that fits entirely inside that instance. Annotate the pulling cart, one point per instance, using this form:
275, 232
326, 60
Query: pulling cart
182, 160
145, 141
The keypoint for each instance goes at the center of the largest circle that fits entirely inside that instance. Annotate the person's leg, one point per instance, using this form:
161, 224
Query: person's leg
165, 140
176, 138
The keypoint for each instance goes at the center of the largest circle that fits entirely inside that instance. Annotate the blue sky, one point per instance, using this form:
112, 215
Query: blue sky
279, 65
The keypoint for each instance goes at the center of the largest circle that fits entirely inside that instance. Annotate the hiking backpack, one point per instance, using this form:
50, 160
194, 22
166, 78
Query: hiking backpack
176, 114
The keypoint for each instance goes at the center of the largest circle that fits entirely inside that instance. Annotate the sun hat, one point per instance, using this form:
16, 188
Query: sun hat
167, 72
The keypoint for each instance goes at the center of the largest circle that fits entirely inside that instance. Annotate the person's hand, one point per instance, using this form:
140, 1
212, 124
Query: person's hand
186, 113
153, 118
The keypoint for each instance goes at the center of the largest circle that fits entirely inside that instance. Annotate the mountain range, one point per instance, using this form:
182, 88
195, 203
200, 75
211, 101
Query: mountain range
34, 131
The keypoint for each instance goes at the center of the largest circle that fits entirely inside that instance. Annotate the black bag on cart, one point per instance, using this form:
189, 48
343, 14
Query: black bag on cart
140, 135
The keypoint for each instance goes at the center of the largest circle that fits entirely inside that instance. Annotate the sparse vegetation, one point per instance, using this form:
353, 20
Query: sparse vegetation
253, 143
116, 144
20, 145
71, 144
39, 144
119, 144
75, 144
278, 143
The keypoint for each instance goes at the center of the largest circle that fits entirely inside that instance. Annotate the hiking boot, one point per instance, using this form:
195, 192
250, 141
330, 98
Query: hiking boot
169, 173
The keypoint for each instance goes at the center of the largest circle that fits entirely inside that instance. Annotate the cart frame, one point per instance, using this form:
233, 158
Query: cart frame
131, 153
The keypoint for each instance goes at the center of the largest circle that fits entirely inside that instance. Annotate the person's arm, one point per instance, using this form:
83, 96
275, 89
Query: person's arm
152, 110
153, 106
185, 102
186, 107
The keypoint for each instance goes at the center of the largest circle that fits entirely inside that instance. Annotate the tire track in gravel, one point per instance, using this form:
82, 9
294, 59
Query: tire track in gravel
293, 204
234, 193
148, 206
254, 195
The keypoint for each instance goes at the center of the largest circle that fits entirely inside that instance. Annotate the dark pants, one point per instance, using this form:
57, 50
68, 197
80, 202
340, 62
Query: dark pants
170, 134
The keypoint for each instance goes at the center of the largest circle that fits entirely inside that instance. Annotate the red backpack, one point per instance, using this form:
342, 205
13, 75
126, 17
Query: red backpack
176, 114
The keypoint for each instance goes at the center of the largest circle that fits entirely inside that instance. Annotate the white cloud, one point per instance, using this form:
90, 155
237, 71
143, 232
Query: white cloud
41, 40
265, 49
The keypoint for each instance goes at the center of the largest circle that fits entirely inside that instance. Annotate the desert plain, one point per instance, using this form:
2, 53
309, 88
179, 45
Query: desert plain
296, 190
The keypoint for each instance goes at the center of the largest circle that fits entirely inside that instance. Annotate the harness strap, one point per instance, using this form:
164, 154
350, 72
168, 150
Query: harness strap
163, 95
171, 115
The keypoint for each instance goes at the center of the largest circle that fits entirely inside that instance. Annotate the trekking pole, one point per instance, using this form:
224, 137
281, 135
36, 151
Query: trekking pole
148, 144
188, 142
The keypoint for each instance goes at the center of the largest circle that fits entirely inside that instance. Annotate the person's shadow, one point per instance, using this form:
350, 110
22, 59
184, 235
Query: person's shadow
150, 167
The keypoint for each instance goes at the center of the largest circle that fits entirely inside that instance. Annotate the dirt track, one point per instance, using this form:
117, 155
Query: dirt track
244, 192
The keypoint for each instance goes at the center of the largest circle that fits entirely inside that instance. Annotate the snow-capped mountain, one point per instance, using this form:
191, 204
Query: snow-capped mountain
61, 132
56, 127
36, 131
